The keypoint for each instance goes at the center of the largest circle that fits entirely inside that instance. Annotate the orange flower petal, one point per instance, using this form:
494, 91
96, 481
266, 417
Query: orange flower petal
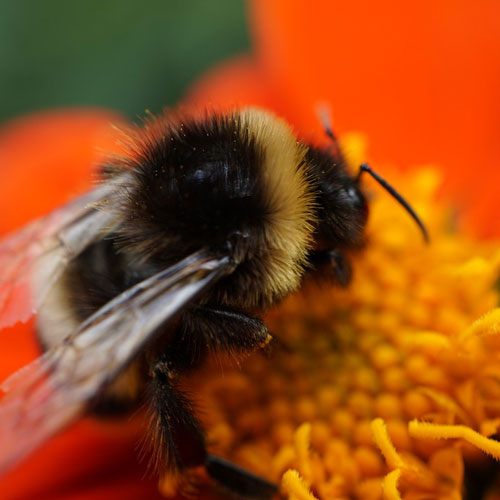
94, 459
238, 82
47, 158
421, 81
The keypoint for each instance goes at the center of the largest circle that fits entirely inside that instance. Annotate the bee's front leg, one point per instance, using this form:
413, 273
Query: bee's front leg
331, 263
206, 330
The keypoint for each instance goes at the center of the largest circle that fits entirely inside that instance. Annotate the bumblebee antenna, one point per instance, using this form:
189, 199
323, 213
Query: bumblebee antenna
325, 116
366, 168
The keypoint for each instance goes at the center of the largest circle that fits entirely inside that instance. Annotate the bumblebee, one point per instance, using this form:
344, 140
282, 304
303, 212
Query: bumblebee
202, 225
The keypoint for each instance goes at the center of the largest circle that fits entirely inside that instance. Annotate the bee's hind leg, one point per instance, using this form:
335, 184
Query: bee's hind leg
180, 440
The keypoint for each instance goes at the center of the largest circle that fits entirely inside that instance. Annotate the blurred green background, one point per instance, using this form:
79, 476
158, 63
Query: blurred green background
122, 54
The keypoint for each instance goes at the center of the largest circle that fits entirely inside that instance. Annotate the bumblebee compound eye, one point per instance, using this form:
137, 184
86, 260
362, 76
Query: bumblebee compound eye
357, 201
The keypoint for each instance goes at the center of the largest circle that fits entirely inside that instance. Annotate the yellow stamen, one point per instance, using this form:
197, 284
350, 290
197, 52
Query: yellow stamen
302, 442
294, 486
390, 485
427, 430
486, 325
382, 440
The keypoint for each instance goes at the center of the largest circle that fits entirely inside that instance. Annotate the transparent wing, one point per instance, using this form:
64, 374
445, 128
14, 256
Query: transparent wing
55, 389
32, 259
